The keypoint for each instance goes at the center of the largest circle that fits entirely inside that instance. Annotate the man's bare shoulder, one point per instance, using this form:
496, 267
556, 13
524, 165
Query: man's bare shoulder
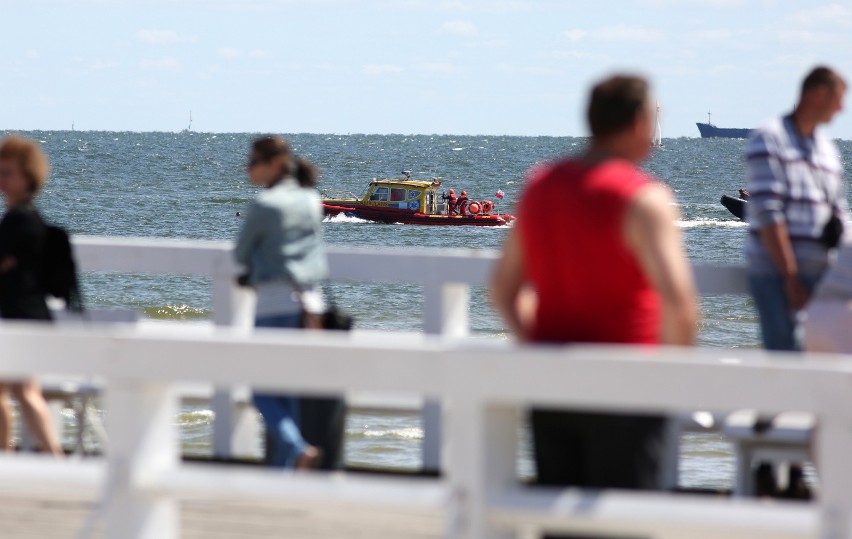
654, 201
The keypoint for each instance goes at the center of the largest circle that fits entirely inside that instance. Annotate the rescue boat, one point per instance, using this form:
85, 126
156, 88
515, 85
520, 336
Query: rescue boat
411, 202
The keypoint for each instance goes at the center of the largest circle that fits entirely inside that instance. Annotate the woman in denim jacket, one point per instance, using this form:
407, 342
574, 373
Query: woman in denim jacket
281, 245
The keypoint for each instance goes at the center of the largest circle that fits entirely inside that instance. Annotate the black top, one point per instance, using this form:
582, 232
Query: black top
22, 238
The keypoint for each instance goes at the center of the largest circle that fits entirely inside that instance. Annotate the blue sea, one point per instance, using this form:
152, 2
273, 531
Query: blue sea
192, 185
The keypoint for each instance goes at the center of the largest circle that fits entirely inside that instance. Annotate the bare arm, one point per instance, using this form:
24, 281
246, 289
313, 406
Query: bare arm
507, 283
776, 241
656, 242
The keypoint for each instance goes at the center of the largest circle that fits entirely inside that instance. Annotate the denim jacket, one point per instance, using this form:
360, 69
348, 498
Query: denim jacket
281, 239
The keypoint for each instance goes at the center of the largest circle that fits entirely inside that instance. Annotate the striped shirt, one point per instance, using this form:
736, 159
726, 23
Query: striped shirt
797, 181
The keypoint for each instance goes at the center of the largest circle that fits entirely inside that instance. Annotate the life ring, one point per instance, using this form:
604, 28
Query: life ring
474, 208
487, 206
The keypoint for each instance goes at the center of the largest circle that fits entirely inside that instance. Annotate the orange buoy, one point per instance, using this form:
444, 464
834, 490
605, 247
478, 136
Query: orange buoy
487, 206
474, 207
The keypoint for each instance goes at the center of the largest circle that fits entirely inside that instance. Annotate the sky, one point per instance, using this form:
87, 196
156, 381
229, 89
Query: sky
464, 67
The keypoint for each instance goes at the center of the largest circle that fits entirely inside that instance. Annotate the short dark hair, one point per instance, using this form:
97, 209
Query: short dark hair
822, 76
615, 102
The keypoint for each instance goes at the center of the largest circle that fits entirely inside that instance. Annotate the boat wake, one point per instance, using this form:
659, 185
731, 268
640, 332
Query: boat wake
710, 223
343, 218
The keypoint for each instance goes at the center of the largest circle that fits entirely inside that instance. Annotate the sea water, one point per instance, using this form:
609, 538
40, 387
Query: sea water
192, 185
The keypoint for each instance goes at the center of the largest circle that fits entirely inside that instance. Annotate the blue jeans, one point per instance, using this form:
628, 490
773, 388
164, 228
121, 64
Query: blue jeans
779, 327
281, 412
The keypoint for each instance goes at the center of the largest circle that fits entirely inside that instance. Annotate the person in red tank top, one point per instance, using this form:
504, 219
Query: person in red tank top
607, 267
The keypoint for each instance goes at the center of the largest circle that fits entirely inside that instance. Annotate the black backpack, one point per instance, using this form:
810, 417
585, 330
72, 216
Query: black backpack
59, 271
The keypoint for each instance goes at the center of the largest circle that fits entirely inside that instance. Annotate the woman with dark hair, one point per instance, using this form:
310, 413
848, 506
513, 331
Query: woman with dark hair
23, 172
281, 245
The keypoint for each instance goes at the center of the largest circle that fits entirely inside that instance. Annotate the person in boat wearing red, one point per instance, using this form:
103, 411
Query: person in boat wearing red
462, 204
451, 201
610, 268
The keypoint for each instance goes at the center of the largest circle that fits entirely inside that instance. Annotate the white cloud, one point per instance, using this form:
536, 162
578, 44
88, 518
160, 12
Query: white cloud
161, 37
230, 54
575, 35
804, 36
439, 68
454, 5
258, 53
32, 54
722, 68
537, 70
836, 15
101, 65
161, 64
712, 35
694, 3
798, 61
579, 55
616, 33
380, 69
460, 28
527, 70
628, 33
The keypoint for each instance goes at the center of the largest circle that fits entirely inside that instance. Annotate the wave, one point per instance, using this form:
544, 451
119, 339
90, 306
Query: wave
405, 433
195, 418
343, 218
176, 312
711, 223
228, 200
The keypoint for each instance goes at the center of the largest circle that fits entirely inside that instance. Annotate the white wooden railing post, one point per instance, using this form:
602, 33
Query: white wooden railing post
445, 312
833, 440
482, 462
235, 430
143, 445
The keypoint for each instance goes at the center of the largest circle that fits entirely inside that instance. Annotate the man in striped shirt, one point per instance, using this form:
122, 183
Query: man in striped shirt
796, 183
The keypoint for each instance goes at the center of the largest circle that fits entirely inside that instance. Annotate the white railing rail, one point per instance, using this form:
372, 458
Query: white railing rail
487, 386
446, 276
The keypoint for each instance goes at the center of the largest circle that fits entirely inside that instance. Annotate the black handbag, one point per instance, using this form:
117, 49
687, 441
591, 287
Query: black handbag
832, 232
334, 317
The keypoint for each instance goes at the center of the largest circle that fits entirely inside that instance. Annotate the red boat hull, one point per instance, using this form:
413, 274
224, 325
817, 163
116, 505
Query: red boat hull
409, 217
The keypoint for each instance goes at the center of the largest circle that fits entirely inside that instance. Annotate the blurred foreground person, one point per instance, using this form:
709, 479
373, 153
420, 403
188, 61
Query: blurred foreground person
796, 210
608, 268
23, 172
281, 245
829, 314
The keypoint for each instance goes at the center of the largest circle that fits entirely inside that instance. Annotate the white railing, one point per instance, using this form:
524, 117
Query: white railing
487, 386
446, 276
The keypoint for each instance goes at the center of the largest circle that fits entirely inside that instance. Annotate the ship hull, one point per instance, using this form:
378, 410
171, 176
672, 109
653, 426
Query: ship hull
408, 217
711, 131
736, 206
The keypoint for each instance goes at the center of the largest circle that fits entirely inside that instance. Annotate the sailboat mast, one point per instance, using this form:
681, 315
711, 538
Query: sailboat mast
658, 129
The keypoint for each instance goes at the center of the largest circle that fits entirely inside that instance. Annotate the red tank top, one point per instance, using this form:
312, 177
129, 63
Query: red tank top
590, 286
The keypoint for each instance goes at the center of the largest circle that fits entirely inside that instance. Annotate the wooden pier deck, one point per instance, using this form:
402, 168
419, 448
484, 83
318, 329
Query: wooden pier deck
61, 516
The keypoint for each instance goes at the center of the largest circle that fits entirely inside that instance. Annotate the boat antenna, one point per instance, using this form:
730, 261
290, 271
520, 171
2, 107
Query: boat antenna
189, 127
708, 117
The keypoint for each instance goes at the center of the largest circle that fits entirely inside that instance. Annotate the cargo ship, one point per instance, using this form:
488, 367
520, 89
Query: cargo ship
709, 130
